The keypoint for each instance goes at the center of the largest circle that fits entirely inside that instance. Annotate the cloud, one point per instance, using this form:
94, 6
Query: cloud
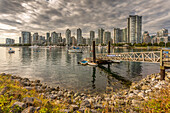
58, 15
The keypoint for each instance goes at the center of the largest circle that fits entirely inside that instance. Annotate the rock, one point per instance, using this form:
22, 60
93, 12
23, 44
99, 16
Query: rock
3, 74
53, 96
85, 103
81, 110
66, 111
60, 93
4, 90
120, 102
93, 111
37, 81
69, 101
136, 91
147, 91
141, 94
31, 100
107, 99
98, 106
136, 103
29, 88
20, 104
145, 87
28, 100
38, 108
74, 107
30, 109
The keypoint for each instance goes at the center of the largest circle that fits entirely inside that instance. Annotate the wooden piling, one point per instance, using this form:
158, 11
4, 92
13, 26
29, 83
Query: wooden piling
162, 68
94, 52
109, 47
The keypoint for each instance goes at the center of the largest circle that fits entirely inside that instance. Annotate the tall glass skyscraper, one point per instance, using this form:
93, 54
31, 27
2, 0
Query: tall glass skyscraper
134, 29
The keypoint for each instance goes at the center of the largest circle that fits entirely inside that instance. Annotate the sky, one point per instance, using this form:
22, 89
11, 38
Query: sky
58, 15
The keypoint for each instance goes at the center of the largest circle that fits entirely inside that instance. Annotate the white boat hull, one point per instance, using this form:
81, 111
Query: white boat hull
75, 51
92, 64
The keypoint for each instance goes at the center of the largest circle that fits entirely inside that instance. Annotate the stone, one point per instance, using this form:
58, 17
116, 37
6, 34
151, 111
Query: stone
120, 102
29, 88
98, 106
93, 111
141, 94
4, 90
74, 107
3, 74
145, 87
30, 109
31, 100
147, 91
20, 104
86, 103
53, 96
37, 81
136, 103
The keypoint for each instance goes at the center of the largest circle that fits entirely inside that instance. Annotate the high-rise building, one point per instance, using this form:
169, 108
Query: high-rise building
79, 37
162, 36
117, 35
134, 29
124, 35
54, 37
25, 37
84, 41
100, 35
10, 41
146, 37
162, 33
19, 40
47, 36
68, 37
35, 38
92, 36
97, 41
107, 37
88, 41
74, 41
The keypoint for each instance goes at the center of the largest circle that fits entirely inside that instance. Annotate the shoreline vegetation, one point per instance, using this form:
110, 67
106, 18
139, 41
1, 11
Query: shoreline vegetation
20, 95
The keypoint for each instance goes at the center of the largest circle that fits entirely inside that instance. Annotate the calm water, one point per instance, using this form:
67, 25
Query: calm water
56, 67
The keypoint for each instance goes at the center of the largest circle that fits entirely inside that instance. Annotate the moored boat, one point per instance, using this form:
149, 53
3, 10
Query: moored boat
92, 64
75, 50
11, 51
83, 62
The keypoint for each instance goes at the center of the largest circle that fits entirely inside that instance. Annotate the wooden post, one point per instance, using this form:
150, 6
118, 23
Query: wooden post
94, 52
109, 47
162, 68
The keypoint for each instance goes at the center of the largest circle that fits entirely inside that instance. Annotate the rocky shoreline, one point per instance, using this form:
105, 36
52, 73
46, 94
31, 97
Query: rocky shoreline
128, 100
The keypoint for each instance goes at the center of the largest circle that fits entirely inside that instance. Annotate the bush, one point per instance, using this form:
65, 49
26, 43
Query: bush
155, 44
149, 44
162, 44
168, 44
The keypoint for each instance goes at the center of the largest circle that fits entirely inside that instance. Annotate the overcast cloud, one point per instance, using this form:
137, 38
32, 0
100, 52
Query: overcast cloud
58, 15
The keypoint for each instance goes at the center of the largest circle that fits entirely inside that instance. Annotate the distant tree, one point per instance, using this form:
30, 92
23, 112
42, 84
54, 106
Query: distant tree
144, 44
129, 44
149, 44
162, 44
168, 44
155, 44
138, 45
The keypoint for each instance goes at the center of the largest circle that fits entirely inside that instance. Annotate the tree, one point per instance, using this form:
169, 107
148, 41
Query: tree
155, 44
138, 45
168, 44
144, 44
149, 44
162, 44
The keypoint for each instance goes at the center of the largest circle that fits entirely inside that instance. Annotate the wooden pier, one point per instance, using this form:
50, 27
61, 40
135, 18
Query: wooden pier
162, 57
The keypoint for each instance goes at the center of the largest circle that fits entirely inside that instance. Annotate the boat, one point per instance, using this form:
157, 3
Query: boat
75, 50
92, 64
35, 46
116, 61
11, 51
83, 62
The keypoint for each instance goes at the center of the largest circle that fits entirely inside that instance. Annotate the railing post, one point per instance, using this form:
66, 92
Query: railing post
94, 52
109, 47
162, 67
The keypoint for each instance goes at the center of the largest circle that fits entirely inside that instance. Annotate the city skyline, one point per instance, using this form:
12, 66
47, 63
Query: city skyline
42, 16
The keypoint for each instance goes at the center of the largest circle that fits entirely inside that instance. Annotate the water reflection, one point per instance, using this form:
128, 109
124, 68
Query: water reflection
58, 67
94, 77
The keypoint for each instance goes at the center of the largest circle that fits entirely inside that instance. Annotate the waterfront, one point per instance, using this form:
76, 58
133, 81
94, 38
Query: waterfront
56, 67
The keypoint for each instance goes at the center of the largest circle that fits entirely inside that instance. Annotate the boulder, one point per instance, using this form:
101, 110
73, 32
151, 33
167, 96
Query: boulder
30, 109
4, 90
20, 104
74, 107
